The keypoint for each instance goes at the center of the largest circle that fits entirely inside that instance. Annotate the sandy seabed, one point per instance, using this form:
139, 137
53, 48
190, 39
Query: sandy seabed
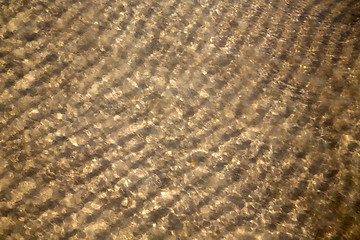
180, 119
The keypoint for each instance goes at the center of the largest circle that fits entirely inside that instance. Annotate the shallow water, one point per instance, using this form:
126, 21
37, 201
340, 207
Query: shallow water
179, 119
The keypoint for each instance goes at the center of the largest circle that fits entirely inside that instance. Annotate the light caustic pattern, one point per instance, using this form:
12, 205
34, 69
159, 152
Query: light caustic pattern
179, 119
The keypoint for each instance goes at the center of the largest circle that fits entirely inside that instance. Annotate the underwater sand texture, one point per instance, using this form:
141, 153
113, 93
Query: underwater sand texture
180, 119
